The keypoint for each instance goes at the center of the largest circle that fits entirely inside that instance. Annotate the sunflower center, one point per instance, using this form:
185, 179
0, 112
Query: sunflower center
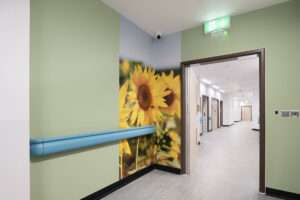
170, 97
144, 97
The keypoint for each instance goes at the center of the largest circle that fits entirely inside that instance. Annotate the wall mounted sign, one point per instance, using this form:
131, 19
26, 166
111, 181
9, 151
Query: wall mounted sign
217, 25
288, 113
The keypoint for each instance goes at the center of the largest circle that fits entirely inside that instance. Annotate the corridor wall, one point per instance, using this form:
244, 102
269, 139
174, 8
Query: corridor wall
73, 89
135, 44
228, 118
75, 72
166, 52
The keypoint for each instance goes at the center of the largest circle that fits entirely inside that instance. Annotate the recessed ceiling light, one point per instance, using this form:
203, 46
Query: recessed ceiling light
206, 81
216, 87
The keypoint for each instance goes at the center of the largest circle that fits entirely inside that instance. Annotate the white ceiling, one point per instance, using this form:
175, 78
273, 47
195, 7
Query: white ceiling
235, 76
168, 16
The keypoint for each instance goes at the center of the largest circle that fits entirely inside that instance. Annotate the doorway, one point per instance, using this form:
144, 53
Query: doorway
205, 113
260, 53
221, 114
215, 113
246, 113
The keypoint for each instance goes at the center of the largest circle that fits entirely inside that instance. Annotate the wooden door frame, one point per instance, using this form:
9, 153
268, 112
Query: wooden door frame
221, 113
242, 111
261, 55
218, 114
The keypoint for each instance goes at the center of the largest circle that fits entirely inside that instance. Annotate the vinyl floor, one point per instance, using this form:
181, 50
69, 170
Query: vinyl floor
224, 167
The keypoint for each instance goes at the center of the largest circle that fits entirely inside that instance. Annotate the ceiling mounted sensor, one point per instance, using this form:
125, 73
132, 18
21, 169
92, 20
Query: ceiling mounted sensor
221, 24
158, 35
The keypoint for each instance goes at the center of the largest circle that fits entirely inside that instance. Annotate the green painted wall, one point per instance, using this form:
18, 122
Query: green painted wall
74, 89
278, 30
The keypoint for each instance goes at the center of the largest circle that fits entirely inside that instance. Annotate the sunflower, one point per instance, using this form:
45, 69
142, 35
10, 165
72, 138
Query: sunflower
147, 96
124, 111
172, 84
125, 67
175, 138
124, 148
169, 152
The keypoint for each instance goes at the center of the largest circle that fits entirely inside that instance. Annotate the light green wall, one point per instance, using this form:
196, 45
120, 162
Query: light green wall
74, 89
278, 30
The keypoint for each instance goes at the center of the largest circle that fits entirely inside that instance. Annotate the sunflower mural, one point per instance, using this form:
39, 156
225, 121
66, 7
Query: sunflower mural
168, 139
149, 97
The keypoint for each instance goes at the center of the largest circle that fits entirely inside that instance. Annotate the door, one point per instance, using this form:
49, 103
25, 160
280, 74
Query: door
215, 113
205, 113
192, 120
246, 113
221, 113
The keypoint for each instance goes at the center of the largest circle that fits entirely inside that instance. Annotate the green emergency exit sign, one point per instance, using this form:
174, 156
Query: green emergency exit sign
217, 25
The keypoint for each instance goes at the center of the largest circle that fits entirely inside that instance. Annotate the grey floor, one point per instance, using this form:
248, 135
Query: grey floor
223, 167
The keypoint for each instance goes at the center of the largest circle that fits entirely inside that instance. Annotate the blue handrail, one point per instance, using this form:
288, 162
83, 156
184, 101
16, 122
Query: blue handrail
48, 146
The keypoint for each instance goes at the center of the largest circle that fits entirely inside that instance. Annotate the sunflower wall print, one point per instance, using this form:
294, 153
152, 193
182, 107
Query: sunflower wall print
149, 97
168, 140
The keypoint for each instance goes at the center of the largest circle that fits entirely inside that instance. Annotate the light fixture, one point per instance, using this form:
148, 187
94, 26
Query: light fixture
216, 87
206, 81
222, 91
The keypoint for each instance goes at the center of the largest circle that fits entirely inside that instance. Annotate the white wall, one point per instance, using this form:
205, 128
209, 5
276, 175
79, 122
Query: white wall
166, 52
14, 99
228, 118
135, 44
193, 117
236, 109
